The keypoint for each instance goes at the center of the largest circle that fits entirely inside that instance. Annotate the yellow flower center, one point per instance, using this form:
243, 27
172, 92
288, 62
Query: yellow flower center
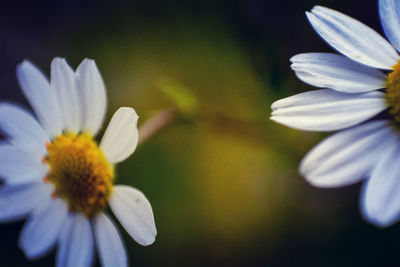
80, 172
393, 92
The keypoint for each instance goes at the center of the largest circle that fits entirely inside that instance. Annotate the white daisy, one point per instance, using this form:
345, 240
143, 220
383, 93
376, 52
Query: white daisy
55, 173
363, 82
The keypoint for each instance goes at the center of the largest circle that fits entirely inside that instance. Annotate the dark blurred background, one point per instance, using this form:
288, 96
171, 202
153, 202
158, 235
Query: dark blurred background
222, 179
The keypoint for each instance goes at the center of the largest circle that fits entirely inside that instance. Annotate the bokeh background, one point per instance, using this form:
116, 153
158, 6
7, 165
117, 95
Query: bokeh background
222, 179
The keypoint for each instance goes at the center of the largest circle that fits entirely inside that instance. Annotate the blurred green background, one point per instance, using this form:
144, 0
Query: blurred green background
223, 178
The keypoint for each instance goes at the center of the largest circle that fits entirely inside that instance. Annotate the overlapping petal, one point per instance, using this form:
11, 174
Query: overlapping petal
22, 129
94, 102
42, 97
19, 167
64, 83
352, 38
75, 243
380, 200
109, 242
336, 72
348, 156
327, 110
389, 11
17, 201
42, 229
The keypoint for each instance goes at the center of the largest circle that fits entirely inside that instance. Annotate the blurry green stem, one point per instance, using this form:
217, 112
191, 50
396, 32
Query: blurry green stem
156, 123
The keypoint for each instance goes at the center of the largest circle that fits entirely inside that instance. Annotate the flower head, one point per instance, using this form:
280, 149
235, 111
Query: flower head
55, 173
362, 82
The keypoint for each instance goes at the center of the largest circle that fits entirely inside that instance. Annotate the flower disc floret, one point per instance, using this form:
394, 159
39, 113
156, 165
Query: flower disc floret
393, 92
80, 172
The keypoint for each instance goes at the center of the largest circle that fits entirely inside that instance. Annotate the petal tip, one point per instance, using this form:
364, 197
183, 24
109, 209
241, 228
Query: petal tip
319, 8
375, 219
149, 241
24, 64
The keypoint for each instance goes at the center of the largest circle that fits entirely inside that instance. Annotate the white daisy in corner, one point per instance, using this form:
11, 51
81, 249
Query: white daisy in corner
55, 173
363, 81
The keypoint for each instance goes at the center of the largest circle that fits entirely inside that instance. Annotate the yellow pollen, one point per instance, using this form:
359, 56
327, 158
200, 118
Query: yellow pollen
393, 92
80, 172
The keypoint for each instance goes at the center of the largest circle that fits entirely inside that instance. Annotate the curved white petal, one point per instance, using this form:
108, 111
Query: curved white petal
380, 200
336, 72
42, 230
109, 242
19, 167
348, 156
327, 110
93, 91
134, 212
22, 129
75, 243
41, 96
64, 83
389, 11
16, 201
121, 136
352, 38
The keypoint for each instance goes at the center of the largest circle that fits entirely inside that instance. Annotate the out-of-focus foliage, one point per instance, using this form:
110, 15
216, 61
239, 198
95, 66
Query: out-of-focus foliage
181, 97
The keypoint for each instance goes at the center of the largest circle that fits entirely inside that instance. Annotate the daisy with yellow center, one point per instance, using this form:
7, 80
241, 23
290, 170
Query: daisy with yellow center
361, 101
56, 174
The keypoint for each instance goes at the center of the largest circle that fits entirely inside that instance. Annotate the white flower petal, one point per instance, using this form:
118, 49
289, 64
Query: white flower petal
134, 212
22, 129
41, 231
336, 72
75, 243
41, 96
109, 242
327, 110
348, 156
16, 201
93, 91
389, 11
380, 200
352, 38
19, 167
64, 83
121, 136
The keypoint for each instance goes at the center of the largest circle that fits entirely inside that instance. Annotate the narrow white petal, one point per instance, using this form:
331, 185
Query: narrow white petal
64, 83
41, 96
380, 200
134, 212
22, 129
75, 243
327, 110
121, 136
16, 201
93, 91
389, 11
348, 156
109, 242
41, 231
336, 72
352, 38
19, 167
